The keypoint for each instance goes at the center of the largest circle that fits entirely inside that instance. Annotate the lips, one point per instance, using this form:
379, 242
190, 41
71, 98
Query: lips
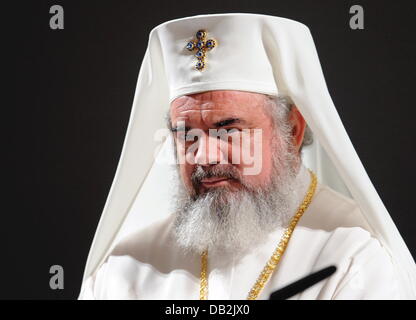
214, 181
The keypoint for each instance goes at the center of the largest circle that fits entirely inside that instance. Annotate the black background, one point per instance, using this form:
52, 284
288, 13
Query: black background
73, 91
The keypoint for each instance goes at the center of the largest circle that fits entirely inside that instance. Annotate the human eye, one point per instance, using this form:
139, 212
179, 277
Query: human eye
233, 130
226, 133
179, 134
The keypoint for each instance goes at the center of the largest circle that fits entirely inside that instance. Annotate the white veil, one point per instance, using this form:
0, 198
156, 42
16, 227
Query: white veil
274, 56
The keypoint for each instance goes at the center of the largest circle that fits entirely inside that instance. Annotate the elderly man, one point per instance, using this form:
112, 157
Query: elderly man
248, 216
223, 207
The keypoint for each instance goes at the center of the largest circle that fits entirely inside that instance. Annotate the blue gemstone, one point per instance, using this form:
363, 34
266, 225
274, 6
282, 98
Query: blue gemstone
200, 44
190, 46
199, 65
199, 54
210, 43
199, 34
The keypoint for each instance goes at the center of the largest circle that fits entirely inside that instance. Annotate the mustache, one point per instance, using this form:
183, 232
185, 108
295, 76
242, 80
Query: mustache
215, 171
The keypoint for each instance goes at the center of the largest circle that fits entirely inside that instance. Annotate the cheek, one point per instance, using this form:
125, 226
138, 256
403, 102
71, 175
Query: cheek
258, 153
267, 160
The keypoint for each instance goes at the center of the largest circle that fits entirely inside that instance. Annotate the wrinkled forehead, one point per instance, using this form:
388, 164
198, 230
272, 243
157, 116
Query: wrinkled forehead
228, 101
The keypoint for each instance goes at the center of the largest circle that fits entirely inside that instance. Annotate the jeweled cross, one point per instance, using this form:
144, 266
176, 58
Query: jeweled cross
201, 46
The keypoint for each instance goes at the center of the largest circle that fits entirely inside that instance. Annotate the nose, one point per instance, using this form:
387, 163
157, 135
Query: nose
209, 150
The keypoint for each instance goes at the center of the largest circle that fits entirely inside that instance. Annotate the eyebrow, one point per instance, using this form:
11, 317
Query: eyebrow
227, 122
217, 124
180, 128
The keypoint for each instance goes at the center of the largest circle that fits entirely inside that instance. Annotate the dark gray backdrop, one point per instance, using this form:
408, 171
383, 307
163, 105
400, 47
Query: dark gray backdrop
73, 91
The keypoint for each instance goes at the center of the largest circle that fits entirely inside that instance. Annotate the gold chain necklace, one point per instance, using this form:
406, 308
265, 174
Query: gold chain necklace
277, 254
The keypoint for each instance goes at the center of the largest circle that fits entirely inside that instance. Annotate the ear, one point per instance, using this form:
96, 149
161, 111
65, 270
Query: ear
298, 127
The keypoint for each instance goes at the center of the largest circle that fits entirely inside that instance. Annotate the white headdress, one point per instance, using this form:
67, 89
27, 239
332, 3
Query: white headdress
248, 52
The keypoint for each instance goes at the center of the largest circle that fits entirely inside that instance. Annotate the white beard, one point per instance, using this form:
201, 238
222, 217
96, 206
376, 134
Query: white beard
235, 221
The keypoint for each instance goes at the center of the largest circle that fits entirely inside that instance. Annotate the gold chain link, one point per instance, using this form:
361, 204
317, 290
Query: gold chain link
277, 254
203, 291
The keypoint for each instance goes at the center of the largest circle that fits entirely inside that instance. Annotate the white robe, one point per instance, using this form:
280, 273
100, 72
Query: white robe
332, 231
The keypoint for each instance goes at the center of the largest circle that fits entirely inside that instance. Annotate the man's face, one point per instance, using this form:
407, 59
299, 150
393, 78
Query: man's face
233, 111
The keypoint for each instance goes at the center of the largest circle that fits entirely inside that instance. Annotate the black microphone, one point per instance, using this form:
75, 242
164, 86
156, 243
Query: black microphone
302, 284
